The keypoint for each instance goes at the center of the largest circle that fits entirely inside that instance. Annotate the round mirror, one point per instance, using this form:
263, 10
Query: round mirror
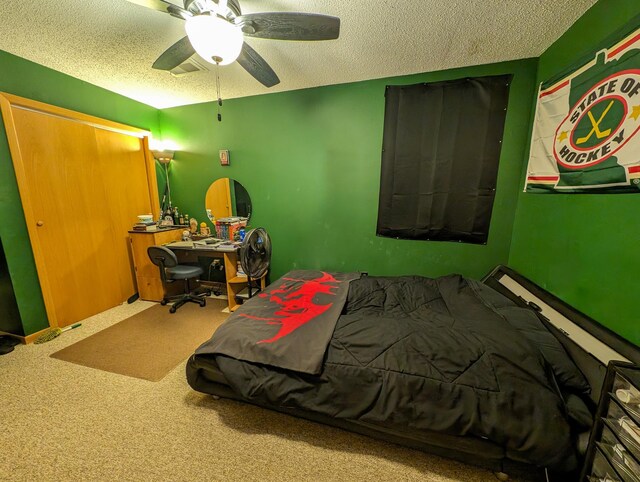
226, 198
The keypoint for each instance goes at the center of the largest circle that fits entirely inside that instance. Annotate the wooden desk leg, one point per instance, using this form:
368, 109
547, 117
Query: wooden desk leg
231, 271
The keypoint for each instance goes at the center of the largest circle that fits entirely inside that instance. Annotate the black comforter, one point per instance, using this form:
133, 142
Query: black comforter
423, 354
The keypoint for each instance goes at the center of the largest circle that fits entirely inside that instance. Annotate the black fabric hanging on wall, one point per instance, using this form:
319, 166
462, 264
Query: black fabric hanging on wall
440, 153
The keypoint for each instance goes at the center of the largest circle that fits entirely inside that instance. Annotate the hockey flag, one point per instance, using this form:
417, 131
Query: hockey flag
586, 132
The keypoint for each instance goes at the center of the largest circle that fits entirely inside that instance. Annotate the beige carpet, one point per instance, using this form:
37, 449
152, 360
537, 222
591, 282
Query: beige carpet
149, 344
66, 422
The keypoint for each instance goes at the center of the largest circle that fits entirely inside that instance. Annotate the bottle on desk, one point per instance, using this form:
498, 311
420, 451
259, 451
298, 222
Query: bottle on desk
167, 216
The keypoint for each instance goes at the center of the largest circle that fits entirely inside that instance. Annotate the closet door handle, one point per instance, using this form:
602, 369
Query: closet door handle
39, 223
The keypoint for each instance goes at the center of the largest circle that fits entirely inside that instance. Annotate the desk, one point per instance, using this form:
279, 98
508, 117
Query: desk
148, 275
189, 252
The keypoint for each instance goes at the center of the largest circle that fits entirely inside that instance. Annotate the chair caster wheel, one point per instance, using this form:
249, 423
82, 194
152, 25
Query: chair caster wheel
163, 302
172, 309
217, 293
202, 304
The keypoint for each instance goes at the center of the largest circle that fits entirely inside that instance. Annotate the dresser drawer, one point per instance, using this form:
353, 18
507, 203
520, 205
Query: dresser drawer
618, 429
626, 392
601, 470
617, 454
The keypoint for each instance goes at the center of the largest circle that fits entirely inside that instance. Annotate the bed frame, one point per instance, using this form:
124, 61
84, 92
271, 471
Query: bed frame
590, 344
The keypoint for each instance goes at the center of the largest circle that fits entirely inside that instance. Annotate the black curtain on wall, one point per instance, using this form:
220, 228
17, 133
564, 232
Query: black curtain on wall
440, 153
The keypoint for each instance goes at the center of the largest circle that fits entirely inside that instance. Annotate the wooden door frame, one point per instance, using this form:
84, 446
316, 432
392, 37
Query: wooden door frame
8, 102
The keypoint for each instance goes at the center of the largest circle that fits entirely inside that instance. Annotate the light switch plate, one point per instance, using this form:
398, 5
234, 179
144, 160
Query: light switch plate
224, 157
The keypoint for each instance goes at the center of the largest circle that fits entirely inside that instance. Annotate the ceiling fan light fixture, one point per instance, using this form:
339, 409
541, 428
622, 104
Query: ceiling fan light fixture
214, 39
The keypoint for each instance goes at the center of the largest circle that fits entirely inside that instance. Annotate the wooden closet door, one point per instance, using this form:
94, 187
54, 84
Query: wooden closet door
121, 162
84, 187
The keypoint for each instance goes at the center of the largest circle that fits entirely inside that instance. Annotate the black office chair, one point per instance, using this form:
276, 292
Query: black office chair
171, 271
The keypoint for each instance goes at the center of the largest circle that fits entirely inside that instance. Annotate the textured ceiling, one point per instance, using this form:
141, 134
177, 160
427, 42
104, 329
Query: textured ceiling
112, 43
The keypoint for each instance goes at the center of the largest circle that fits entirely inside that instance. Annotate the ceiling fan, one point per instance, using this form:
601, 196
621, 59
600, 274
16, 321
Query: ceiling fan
216, 30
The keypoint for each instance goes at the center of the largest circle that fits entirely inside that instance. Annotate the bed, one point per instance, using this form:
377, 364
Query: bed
497, 372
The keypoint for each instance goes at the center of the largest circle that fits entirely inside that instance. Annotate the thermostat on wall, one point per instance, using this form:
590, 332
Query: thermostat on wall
224, 158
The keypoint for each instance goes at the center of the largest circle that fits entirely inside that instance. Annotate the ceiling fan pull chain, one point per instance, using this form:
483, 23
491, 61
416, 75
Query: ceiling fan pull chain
218, 90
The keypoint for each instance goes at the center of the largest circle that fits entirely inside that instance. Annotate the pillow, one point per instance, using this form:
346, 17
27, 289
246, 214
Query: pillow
526, 321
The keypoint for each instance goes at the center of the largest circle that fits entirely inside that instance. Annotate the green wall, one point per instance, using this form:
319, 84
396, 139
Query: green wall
584, 248
310, 160
27, 79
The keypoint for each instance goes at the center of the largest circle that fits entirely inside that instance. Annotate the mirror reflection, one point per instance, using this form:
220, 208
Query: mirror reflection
226, 198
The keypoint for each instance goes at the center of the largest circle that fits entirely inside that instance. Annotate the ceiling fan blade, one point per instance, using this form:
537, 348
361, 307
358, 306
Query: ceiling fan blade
253, 63
174, 55
290, 26
235, 7
163, 6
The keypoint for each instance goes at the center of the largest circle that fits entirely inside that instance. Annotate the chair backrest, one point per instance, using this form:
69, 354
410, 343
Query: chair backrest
162, 257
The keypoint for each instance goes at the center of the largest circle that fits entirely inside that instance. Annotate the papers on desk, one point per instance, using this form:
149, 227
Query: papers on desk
209, 243
204, 245
180, 244
227, 246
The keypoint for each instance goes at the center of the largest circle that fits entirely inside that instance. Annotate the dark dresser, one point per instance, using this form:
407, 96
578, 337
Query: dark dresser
614, 447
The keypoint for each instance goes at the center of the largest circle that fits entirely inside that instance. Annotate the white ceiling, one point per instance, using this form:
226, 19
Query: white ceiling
112, 43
